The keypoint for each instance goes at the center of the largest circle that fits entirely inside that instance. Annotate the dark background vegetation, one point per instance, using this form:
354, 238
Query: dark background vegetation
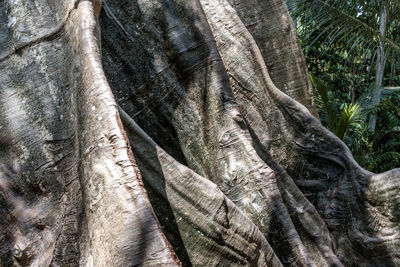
340, 40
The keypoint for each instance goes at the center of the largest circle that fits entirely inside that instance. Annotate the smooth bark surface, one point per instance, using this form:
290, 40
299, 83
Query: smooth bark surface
185, 138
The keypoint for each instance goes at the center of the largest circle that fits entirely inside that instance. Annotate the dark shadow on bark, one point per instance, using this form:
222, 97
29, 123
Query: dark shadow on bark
160, 204
6, 238
187, 53
328, 183
148, 61
5, 31
131, 72
127, 64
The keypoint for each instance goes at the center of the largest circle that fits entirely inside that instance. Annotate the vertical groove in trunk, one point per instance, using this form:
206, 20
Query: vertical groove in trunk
211, 92
121, 225
72, 192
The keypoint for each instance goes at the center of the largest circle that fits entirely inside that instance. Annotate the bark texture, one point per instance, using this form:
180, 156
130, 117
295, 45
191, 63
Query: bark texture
185, 137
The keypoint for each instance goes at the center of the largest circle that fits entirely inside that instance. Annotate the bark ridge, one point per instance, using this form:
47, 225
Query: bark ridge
175, 132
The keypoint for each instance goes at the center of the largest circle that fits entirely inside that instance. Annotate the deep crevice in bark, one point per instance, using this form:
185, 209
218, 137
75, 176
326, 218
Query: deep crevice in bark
238, 172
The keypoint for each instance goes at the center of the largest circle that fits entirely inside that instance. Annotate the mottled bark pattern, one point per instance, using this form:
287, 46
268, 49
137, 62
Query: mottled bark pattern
185, 138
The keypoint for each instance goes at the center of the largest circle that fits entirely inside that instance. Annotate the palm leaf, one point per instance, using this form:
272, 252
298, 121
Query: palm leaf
338, 20
323, 90
351, 116
387, 156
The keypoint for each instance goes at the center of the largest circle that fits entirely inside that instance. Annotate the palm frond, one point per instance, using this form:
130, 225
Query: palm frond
323, 90
338, 20
387, 156
351, 115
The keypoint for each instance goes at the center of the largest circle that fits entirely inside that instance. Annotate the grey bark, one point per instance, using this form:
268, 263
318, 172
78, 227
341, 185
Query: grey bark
183, 139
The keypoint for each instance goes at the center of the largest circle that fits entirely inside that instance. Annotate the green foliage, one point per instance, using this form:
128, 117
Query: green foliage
340, 40
379, 151
351, 114
323, 100
376, 151
351, 22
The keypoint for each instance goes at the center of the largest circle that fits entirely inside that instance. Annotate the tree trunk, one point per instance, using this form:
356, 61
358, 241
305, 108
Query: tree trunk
394, 56
183, 139
380, 66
